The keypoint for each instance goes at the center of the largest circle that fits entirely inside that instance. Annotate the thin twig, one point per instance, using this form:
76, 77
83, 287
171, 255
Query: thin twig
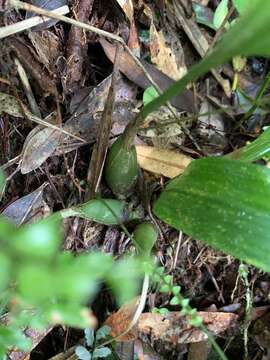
29, 23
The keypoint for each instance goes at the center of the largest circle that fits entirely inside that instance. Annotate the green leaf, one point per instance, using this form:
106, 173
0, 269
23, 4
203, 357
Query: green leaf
256, 150
103, 332
40, 240
220, 13
144, 237
175, 301
5, 270
82, 353
241, 5
149, 94
89, 336
101, 352
224, 203
246, 37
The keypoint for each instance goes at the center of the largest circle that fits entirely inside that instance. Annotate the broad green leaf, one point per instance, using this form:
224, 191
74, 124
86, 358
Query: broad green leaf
220, 13
256, 150
82, 353
241, 5
224, 203
149, 94
246, 37
101, 352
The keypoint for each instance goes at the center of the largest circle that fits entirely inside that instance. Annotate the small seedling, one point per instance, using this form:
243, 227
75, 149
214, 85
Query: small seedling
91, 350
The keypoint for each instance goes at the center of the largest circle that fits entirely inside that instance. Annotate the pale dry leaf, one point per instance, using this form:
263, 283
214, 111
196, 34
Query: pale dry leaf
127, 7
10, 105
31, 206
165, 49
174, 328
161, 161
38, 148
119, 321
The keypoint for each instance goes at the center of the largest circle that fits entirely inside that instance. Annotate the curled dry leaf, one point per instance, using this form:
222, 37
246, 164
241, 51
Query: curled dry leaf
10, 105
175, 328
119, 321
161, 161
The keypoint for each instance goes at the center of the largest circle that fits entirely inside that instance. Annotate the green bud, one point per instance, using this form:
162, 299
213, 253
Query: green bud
121, 168
144, 237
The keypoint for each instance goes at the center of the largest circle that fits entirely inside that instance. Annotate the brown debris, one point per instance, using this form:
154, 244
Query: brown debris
77, 46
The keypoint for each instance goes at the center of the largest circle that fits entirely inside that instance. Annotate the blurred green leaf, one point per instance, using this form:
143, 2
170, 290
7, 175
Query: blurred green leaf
220, 13
102, 352
5, 271
83, 353
224, 203
149, 94
40, 240
124, 279
241, 5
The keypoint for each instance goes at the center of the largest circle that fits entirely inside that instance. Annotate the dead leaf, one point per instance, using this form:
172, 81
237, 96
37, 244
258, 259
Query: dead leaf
127, 7
164, 56
119, 321
10, 105
144, 351
161, 161
175, 328
38, 147
27, 207
133, 72
47, 46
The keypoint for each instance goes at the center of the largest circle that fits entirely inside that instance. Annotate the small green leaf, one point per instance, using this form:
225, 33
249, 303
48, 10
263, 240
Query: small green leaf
149, 94
82, 353
103, 332
89, 336
168, 279
176, 290
101, 352
224, 203
175, 301
144, 237
220, 13
165, 288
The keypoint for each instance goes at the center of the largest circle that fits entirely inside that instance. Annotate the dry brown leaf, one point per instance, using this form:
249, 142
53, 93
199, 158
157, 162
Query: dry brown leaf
127, 7
176, 329
119, 321
163, 53
161, 161
10, 105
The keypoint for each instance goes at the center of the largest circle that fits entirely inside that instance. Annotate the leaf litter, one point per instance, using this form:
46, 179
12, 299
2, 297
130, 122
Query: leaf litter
70, 73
